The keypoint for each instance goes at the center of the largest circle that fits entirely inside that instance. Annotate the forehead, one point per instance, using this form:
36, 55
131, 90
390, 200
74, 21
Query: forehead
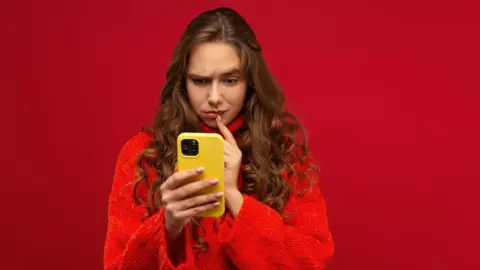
210, 59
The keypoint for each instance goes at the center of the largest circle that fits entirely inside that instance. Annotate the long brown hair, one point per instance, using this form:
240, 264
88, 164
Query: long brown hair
272, 143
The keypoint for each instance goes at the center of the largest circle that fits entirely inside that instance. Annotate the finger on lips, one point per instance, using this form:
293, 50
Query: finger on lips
225, 132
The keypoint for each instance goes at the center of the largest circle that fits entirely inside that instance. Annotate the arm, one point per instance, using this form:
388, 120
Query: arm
259, 238
131, 243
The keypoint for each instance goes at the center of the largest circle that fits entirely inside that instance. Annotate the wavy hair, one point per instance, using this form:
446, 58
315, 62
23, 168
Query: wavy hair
272, 143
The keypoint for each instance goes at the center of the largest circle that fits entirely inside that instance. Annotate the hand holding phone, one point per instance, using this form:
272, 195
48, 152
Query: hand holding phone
204, 150
178, 201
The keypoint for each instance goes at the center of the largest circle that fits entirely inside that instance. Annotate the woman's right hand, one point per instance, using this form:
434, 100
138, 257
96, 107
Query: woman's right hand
179, 206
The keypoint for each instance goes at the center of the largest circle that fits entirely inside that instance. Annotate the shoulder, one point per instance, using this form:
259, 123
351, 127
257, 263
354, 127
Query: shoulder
126, 163
294, 143
137, 142
301, 166
133, 147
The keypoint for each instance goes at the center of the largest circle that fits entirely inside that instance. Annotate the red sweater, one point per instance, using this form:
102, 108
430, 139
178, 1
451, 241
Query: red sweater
257, 238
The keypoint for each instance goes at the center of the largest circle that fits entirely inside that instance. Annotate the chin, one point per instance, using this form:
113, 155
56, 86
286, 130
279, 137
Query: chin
212, 123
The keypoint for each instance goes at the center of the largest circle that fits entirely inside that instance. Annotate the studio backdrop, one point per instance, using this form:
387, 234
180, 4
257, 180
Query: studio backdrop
388, 92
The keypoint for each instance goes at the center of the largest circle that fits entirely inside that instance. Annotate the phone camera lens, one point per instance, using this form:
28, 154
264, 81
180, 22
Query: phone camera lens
189, 147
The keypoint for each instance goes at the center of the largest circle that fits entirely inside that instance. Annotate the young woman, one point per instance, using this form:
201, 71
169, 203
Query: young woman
219, 82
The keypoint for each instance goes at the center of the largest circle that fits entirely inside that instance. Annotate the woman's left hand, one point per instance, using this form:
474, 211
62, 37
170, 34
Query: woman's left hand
232, 157
233, 161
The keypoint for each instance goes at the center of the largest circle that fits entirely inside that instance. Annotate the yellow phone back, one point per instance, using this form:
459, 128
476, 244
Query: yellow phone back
210, 156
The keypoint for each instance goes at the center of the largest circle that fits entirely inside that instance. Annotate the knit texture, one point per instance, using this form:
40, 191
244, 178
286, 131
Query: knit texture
257, 238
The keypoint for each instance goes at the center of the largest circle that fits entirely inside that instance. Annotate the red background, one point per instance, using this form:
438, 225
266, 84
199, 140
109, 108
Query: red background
388, 91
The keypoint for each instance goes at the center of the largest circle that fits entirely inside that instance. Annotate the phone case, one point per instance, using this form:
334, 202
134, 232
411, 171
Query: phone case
210, 156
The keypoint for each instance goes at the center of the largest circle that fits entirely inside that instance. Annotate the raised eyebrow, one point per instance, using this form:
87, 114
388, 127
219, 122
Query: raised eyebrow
231, 72
198, 77
227, 73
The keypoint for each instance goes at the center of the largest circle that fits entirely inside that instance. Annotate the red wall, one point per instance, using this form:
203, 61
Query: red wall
387, 89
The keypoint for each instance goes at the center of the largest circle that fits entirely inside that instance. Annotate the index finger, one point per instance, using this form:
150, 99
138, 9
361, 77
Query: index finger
178, 177
225, 132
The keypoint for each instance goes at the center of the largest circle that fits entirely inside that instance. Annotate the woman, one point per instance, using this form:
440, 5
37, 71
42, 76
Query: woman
219, 82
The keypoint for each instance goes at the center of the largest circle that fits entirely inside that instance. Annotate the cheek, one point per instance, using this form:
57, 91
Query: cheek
194, 97
237, 97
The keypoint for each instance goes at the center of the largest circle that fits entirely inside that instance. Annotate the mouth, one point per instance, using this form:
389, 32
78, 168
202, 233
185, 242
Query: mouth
213, 114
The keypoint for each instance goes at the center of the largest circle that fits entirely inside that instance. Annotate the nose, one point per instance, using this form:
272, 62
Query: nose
215, 96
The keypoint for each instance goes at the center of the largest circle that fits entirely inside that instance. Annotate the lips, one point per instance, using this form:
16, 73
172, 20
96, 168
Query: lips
213, 114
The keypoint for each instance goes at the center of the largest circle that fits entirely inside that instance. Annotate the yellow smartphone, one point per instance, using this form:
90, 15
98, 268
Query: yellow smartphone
203, 150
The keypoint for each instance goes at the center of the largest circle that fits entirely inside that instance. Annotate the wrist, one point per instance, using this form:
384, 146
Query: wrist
233, 201
175, 245
172, 232
230, 192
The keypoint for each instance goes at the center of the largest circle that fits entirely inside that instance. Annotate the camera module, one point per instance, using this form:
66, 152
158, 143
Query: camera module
189, 147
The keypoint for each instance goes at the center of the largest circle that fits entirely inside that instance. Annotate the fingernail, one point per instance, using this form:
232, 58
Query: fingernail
200, 169
218, 195
213, 181
216, 204
219, 117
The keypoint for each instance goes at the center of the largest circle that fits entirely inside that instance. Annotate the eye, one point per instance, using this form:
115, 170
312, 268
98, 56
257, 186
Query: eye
231, 81
201, 82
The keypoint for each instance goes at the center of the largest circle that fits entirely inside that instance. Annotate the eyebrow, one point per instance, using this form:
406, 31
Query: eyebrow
230, 72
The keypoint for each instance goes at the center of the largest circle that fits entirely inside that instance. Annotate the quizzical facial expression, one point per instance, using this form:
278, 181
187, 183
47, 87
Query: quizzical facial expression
215, 83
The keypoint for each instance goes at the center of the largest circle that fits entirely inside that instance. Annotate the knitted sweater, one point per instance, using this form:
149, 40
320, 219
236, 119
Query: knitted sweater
257, 238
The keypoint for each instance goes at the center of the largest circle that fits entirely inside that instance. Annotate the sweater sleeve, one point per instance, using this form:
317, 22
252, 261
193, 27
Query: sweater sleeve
259, 238
131, 243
